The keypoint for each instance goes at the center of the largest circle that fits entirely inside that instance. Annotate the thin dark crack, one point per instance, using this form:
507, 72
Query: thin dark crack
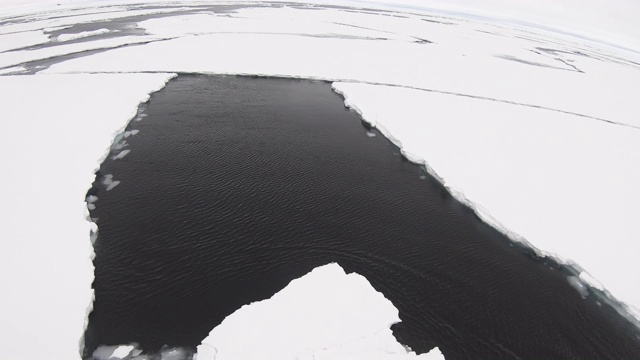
496, 100
35, 66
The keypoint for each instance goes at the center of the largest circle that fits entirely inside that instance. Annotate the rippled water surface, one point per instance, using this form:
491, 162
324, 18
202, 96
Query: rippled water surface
234, 186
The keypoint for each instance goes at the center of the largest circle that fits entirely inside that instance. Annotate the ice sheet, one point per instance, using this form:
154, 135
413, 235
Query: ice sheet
326, 314
22, 56
469, 58
54, 132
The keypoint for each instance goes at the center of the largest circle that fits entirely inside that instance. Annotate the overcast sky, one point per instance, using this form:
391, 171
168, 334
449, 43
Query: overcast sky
613, 21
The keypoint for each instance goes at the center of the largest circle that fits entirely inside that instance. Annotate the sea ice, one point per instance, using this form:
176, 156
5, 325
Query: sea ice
22, 39
326, 314
538, 132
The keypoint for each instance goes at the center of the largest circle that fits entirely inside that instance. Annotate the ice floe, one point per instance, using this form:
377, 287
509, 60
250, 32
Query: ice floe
22, 39
326, 314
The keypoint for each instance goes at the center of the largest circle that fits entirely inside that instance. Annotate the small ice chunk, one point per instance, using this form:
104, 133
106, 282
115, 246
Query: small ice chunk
577, 284
174, 354
113, 184
68, 37
123, 351
113, 352
371, 134
120, 145
121, 154
92, 199
91, 206
134, 132
108, 179
118, 138
141, 116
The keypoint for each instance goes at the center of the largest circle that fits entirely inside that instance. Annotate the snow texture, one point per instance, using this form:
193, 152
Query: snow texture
538, 132
326, 314
22, 39
53, 142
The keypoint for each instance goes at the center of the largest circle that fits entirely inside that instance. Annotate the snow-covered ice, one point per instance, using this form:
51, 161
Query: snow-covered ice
22, 56
326, 314
57, 139
513, 120
12, 70
114, 352
538, 132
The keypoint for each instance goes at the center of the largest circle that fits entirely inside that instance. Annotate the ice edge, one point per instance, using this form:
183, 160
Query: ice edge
92, 224
628, 311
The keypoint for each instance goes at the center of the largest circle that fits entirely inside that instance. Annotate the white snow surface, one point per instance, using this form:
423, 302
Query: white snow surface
80, 35
16, 57
324, 315
54, 133
537, 132
22, 39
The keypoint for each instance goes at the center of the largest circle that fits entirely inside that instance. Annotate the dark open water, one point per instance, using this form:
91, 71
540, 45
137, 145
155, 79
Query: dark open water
234, 186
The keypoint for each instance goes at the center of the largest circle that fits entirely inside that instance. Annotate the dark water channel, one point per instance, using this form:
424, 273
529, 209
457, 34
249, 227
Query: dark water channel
234, 186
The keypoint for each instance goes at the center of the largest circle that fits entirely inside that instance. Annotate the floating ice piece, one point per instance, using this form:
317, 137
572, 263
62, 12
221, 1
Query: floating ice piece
115, 352
68, 37
130, 132
22, 39
577, 284
174, 354
108, 179
113, 184
121, 154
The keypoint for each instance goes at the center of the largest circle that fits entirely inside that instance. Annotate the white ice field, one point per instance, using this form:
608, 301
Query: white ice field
537, 131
